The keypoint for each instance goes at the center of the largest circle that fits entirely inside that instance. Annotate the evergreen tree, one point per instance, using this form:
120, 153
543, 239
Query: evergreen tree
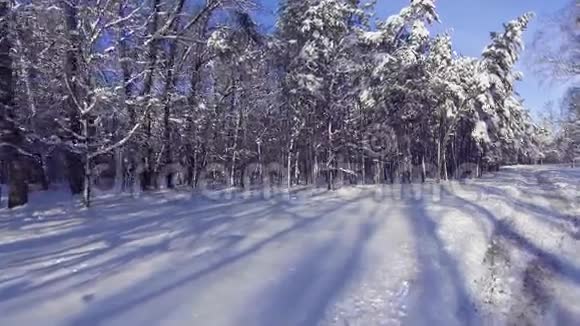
496, 86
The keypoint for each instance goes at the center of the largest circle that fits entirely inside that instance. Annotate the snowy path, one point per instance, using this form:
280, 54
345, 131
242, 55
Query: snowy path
500, 250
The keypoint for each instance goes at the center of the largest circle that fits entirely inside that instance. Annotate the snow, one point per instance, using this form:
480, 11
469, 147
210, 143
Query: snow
480, 132
420, 32
499, 250
217, 41
373, 37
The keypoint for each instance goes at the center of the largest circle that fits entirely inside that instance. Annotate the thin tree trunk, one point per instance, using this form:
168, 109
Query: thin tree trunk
377, 171
44, 171
169, 87
118, 183
297, 168
87, 167
363, 167
439, 160
235, 144
423, 169
330, 158
445, 176
148, 175
74, 160
289, 163
362, 145
316, 168
455, 166
260, 164
131, 154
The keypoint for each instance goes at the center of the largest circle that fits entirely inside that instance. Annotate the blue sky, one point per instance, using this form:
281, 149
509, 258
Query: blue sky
470, 22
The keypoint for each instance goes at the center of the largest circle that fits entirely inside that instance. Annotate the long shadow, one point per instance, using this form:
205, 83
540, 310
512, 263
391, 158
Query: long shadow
303, 297
54, 208
539, 183
552, 216
105, 225
532, 179
437, 267
116, 237
113, 233
134, 296
88, 233
558, 265
512, 177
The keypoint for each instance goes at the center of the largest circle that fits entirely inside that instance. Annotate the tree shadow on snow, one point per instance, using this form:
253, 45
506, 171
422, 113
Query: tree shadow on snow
160, 284
82, 254
553, 215
303, 295
440, 284
538, 302
556, 264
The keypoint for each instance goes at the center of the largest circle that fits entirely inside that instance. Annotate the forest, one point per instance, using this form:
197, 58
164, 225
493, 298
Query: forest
289, 162
142, 95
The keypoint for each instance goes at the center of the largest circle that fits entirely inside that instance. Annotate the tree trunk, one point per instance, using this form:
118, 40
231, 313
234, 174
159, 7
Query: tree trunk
148, 174
25, 66
445, 175
377, 171
118, 183
330, 158
363, 168
362, 145
455, 166
74, 160
297, 168
289, 163
18, 194
235, 144
87, 121
9, 132
315, 169
439, 160
169, 87
423, 169
129, 158
87, 184
44, 171
260, 164
195, 150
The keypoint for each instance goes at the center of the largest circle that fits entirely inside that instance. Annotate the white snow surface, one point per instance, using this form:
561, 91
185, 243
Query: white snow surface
502, 250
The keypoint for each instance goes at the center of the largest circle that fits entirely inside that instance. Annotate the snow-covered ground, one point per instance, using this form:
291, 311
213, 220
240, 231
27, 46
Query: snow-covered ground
502, 250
